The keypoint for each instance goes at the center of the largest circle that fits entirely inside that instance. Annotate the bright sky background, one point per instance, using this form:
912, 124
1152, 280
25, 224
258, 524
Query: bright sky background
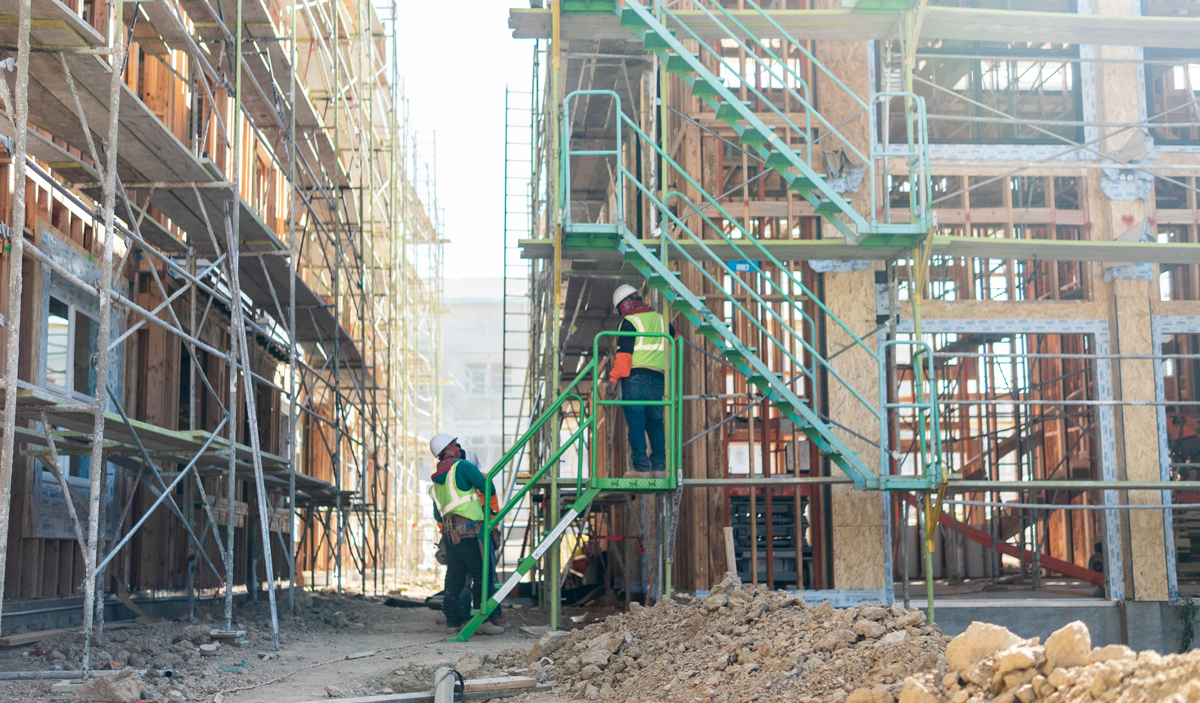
456, 58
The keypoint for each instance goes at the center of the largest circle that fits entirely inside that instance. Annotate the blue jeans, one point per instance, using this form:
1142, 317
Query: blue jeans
645, 421
464, 597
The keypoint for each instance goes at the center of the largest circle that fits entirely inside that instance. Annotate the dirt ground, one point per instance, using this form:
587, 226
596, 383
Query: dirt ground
409, 643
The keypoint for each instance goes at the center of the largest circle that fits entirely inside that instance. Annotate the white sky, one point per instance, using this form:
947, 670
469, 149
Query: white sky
456, 58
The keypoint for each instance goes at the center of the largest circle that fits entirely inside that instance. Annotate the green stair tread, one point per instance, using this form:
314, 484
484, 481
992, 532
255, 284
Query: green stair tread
631, 19
753, 135
735, 353
679, 64
655, 42
827, 207
802, 184
728, 111
588, 7
779, 161
704, 89
684, 304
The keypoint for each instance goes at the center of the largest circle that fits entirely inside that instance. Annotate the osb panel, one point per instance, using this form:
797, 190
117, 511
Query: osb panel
857, 516
1116, 80
1147, 545
857, 549
996, 310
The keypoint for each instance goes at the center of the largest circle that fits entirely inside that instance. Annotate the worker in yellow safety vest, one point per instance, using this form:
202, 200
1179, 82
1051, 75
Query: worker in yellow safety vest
640, 367
457, 486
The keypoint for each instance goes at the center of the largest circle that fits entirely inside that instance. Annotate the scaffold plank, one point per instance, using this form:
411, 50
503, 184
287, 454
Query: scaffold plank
52, 24
980, 247
958, 23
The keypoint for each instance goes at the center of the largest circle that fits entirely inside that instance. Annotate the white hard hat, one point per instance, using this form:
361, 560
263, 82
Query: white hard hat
439, 442
622, 292
471, 457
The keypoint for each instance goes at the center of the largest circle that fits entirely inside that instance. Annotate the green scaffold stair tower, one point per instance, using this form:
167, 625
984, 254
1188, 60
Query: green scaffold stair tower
661, 258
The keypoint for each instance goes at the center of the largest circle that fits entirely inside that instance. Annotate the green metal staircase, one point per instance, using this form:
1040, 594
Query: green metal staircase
716, 316
588, 482
753, 133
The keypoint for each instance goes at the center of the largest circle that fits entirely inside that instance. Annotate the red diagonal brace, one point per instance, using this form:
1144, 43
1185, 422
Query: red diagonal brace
1065, 568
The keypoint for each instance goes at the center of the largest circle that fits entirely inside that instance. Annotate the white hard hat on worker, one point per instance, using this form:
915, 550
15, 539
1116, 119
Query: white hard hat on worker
622, 292
439, 442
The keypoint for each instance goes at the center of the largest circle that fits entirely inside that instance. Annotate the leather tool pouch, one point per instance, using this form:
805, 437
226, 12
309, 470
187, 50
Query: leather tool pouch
461, 528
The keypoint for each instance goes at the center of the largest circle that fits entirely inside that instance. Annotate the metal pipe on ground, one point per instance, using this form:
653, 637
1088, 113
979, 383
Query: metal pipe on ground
443, 684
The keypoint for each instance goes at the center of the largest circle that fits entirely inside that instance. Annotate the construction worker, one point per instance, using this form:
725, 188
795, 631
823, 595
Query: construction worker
457, 485
640, 366
1183, 437
464, 596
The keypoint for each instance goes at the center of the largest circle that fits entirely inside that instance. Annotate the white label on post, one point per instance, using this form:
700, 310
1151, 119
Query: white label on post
512, 581
510, 584
560, 528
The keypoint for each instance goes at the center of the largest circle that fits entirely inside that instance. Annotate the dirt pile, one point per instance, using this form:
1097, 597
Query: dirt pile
742, 644
989, 664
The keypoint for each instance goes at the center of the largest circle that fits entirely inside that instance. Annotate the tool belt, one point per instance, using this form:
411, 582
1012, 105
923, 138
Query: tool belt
459, 528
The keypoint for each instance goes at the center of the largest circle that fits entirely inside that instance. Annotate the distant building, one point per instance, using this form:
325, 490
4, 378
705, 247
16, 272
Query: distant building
472, 323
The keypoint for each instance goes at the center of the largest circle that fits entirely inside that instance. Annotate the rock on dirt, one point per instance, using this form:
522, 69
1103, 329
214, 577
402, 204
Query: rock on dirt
547, 645
1065, 670
125, 687
196, 634
742, 644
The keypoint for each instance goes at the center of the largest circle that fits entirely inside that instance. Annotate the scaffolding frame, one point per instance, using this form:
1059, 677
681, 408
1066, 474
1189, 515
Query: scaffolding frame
362, 248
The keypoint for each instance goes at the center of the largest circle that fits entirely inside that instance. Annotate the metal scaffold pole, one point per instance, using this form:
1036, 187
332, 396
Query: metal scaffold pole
18, 111
293, 357
98, 472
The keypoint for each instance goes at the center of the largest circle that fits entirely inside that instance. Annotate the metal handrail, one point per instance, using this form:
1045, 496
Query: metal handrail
672, 396
786, 284
858, 220
806, 132
927, 433
750, 239
587, 422
919, 177
564, 192
918, 153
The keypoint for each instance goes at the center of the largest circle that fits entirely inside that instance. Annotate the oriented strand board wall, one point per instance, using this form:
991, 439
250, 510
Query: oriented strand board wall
1146, 538
857, 516
1137, 443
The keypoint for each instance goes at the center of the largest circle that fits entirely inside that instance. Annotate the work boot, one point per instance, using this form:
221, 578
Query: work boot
498, 620
660, 472
488, 628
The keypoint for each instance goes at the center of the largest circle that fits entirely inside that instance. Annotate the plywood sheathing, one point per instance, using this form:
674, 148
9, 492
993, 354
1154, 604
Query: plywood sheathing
857, 516
1138, 439
1137, 448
